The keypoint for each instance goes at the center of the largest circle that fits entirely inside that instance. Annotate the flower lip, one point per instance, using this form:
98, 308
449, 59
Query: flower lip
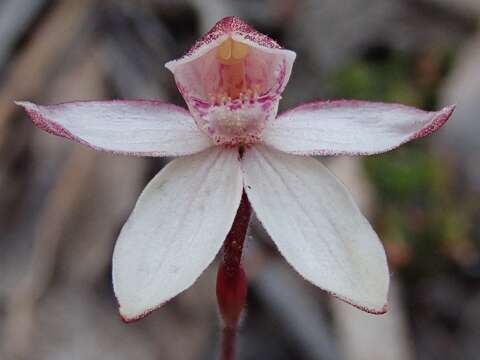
265, 65
232, 80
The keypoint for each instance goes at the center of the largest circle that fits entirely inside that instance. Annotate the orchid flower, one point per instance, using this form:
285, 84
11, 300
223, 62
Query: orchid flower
232, 141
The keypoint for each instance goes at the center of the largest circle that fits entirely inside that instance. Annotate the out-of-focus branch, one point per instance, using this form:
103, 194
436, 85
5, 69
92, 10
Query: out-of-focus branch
30, 69
15, 16
60, 202
59, 207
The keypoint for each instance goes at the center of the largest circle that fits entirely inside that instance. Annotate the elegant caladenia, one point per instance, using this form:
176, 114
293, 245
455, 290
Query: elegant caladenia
236, 154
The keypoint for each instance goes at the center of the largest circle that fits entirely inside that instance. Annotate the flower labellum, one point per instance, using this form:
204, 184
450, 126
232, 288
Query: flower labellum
230, 142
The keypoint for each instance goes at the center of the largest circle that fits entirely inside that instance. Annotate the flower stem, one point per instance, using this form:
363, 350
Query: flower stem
229, 337
231, 279
233, 246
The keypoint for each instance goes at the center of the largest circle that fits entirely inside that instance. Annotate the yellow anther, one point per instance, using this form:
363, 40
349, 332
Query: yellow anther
224, 50
231, 52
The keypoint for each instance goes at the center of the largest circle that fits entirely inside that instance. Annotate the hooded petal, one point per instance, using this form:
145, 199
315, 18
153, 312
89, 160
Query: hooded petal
317, 227
264, 54
177, 227
135, 127
350, 127
236, 70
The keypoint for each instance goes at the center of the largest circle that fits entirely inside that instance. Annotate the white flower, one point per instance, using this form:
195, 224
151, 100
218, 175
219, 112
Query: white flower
231, 140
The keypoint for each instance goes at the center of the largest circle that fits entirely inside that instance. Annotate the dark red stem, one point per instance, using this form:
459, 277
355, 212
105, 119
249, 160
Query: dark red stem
231, 279
233, 246
229, 337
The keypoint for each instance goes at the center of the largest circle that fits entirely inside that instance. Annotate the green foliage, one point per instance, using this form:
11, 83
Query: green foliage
384, 81
409, 171
418, 211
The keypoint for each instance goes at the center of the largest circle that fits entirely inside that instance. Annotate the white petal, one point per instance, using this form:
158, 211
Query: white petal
176, 229
350, 127
317, 227
135, 127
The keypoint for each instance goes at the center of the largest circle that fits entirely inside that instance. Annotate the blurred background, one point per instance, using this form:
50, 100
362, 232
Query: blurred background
62, 205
